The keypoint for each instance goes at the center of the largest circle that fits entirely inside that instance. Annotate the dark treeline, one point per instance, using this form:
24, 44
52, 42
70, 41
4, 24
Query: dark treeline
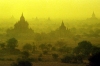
47, 52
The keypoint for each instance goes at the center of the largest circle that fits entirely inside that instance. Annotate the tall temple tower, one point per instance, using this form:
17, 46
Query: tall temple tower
93, 15
21, 29
62, 27
22, 18
21, 24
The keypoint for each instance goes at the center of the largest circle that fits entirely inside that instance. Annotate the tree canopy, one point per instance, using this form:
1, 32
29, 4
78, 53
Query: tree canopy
12, 43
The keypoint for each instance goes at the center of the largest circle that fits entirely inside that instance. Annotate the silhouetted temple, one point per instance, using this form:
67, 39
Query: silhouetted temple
62, 27
61, 32
93, 17
21, 28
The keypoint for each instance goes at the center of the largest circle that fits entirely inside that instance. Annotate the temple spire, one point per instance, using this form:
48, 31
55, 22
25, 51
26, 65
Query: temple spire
93, 15
62, 27
22, 18
22, 14
62, 23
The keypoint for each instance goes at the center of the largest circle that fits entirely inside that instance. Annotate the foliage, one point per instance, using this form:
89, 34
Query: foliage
94, 60
49, 46
27, 47
66, 59
45, 52
43, 47
2, 45
34, 48
95, 50
53, 48
60, 43
55, 56
40, 59
72, 58
64, 49
12, 43
40, 55
22, 63
83, 47
25, 54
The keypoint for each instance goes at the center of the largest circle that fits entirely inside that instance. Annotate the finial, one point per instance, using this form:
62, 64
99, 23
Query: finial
62, 22
22, 13
93, 15
22, 17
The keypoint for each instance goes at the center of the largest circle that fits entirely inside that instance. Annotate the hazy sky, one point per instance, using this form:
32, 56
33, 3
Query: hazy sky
69, 9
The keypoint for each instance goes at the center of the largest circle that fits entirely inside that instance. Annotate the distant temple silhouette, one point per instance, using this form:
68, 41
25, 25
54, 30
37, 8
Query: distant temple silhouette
61, 32
20, 28
21, 25
62, 27
93, 17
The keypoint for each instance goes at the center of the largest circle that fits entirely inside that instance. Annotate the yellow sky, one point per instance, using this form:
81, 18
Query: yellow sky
69, 9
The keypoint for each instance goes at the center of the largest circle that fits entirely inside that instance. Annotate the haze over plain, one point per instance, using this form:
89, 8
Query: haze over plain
63, 9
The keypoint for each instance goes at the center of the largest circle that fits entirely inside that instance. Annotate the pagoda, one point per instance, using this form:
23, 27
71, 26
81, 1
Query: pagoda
21, 28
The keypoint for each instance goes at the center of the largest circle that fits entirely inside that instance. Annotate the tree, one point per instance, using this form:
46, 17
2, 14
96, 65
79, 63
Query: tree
22, 63
60, 43
55, 56
49, 46
64, 49
2, 45
83, 48
43, 47
53, 48
34, 47
27, 47
12, 43
25, 55
66, 59
95, 50
94, 60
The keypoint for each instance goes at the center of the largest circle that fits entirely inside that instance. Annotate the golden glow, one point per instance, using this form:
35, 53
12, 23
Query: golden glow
69, 9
